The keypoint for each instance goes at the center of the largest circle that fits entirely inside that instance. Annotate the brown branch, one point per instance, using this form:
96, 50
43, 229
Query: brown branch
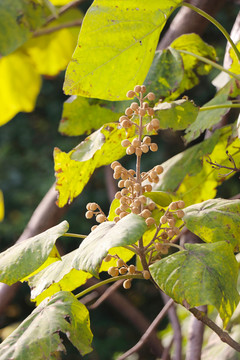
149, 331
223, 335
46, 31
63, 9
186, 21
195, 338
131, 314
46, 215
110, 183
106, 294
177, 338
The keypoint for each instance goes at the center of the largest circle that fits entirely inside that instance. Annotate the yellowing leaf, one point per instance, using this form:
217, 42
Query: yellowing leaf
235, 67
73, 170
60, 2
203, 274
52, 52
191, 65
1, 206
20, 85
59, 276
24, 258
18, 20
120, 38
190, 176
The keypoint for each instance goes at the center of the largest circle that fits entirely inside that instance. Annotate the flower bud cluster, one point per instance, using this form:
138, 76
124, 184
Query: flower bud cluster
131, 195
122, 268
169, 219
93, 209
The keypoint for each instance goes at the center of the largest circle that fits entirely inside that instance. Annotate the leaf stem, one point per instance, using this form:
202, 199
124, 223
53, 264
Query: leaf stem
75, 235
217, 24
220, 106
107, 281
210, 62
49, 30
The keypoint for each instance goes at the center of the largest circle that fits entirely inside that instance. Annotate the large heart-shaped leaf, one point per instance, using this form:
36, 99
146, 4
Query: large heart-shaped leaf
38, 335
107, 235
24, 258
120, 38
203, 274
215, 220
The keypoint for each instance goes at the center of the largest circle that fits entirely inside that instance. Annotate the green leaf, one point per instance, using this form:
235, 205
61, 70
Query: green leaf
59, 276
52, 52
107, 235
192, 43
188, 174
161, 198
214, 220
177, 115
203, 274
19, 19
206, 119
38, 335
120, 38
25, 257
80, 117
17, 72
165, 73
73, 170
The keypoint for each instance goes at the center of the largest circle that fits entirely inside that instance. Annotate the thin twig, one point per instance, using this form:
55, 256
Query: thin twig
46, 31
105, 295
148, 332
223, 335
63, 9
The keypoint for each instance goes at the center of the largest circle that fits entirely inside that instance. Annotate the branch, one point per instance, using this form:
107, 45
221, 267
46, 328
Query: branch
46, 31
106, 294
46, 215
148, 332
223, 335
177, 337
124, 307
195, 338
63, 9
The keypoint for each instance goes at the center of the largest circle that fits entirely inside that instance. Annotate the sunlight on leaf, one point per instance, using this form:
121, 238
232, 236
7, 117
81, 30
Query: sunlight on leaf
23, 258
176, 115
235, 67
121, 45
190, 176
73, 170
203, 274
107, 235
192, 43
20, 85
38, 335
214, 220
52, 52
80, 117
60, 276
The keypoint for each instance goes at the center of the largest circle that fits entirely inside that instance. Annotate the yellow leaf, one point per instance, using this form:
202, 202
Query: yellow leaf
20, 85
1, 206
52, 52
235, 67
74, 169
60, 2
